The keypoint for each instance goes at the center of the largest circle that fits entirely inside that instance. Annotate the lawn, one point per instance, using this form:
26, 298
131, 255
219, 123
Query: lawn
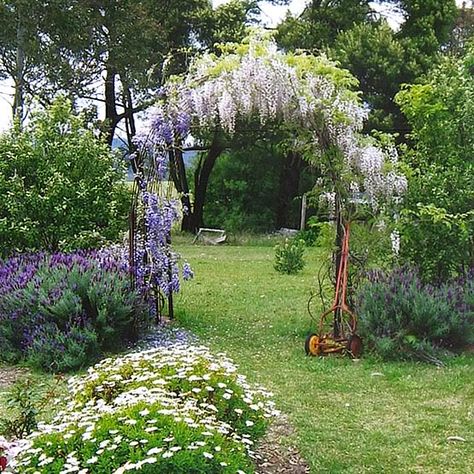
350, 417
46, 390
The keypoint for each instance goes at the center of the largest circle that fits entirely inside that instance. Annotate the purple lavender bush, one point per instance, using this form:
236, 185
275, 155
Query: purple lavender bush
403, 318
60, 312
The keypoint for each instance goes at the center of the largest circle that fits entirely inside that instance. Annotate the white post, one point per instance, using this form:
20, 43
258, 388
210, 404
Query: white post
303, 212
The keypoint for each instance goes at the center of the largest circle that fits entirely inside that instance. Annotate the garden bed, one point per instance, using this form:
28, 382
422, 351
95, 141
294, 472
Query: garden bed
174, 408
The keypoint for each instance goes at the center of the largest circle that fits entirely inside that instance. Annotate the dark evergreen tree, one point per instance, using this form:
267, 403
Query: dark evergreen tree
382, 59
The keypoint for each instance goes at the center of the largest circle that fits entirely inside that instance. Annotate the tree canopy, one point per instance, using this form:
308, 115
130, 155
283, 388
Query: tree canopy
381, 58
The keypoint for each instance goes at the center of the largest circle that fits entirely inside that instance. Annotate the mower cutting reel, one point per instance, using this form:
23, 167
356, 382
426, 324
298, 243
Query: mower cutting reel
342, 338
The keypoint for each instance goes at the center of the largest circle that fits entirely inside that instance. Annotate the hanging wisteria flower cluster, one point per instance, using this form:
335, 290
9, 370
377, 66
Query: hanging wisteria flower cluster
259, 81
173, 409
153, 262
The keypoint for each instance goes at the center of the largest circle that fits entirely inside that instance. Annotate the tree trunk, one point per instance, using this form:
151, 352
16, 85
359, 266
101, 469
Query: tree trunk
111, 115
19, 99
289, 187
193, 219
130, 126
201, 180
180, 180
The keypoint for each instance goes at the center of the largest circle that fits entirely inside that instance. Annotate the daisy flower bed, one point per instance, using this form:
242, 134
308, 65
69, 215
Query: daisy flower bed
177, 409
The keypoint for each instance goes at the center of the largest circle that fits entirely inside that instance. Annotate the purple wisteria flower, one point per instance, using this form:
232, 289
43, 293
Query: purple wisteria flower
154, 263
188, 274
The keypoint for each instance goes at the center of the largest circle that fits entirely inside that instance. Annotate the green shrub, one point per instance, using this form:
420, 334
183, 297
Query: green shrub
289, 256
311, 233
56, 350
437, 224
444, 242
61, 188
371, 246
25, 401
169, 410
402, 318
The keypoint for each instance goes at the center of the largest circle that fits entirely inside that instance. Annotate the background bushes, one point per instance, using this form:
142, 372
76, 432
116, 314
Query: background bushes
59, 184
437, 224
243, 191
60, 312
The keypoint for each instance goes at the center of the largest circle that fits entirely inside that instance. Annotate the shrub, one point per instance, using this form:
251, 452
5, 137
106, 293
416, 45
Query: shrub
289, 256
401, 317
437, 224
311, 233
371, 245
24, 403
60, 311
64, 189
22, 410
169, 410
444, 242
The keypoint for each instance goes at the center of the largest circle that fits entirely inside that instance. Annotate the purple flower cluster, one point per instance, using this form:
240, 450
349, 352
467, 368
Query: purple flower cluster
398, 306
188, 273
52, 304
404, 281
167, 127
155, 264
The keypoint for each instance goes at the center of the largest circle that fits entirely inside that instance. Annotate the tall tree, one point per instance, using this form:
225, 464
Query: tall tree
19, 32
321, 22
228, 22
78, 46
382, 59
115, 52
426, 26
463, 31
375, 56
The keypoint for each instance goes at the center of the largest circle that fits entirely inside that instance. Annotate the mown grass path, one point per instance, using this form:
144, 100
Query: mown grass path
350, 417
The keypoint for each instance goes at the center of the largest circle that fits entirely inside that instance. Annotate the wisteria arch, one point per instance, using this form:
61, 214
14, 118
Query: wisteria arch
310, 96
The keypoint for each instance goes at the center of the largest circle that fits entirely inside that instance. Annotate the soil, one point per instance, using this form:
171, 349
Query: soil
9, 375
273, 456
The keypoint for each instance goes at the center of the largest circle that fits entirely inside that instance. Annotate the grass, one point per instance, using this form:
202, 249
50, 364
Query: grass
47, 390
246, 239
350, 417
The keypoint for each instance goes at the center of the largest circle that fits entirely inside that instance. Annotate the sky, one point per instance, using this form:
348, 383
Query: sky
271, 16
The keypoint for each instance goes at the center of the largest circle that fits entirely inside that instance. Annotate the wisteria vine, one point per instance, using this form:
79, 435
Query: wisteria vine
255, 81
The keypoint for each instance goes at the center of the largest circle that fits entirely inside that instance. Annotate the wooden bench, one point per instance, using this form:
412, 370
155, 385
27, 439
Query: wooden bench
210, 236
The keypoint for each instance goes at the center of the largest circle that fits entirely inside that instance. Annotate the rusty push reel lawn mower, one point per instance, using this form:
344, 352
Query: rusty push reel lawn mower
342, 337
